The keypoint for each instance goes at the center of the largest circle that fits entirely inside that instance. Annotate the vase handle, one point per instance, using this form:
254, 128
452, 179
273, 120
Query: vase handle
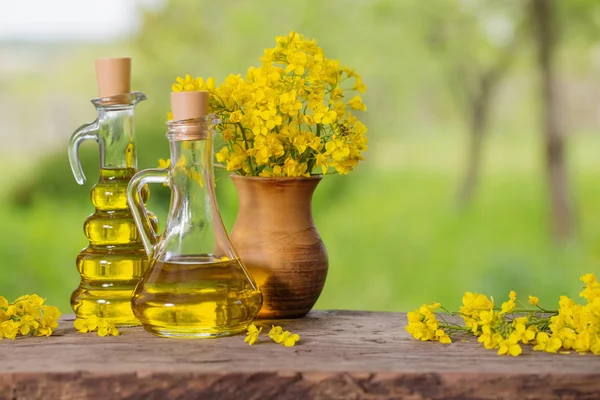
138, 209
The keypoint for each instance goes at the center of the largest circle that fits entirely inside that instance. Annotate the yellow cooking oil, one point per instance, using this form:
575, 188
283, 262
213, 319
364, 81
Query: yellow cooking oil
115, 260
196, 296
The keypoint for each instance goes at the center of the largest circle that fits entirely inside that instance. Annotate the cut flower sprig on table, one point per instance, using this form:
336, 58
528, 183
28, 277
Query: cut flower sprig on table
102, 326
506, 328
292, 116
276, 334
27, 316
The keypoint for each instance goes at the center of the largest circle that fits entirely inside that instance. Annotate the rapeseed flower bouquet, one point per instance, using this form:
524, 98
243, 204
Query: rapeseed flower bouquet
572, 327
290, 117
27, 315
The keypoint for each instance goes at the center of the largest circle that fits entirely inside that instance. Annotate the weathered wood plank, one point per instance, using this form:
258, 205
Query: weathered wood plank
342, 355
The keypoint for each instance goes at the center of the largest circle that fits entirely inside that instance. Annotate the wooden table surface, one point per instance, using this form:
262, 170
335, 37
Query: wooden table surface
341, 355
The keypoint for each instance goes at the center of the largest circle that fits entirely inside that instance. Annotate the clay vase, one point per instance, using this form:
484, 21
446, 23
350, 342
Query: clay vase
278, 242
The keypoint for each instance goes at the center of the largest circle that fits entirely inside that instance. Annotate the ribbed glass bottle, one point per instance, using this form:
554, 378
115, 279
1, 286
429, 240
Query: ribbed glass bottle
114, 261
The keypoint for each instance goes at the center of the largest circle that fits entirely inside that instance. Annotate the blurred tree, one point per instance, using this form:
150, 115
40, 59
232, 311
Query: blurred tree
475, 42
545, 23
552, 20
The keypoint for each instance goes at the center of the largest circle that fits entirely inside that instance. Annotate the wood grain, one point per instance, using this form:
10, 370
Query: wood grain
342, 355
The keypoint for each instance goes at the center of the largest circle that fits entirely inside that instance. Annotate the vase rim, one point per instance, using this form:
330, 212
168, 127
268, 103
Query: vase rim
278, 178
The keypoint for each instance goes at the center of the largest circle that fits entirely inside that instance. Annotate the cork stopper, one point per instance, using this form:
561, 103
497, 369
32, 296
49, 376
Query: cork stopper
114, 76
186, 105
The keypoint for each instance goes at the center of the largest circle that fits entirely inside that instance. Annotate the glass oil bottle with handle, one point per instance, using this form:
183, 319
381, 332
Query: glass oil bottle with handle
113, 263
196, 286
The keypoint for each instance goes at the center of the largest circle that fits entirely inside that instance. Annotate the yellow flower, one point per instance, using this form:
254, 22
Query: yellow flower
285, 338
423, 324
444, 339
592, 288
289, 339
476, 311
296, 62
324, 115
293, 168
222, 155
588, 279
358, 85
474, 302
266, 147
27, 323
84, 325
51, 315
102, 326
236, 160
106, 327
274, 171
489, 338
357, 104
510, 346
534, 300
210, 84
509, 306
10, 329
360, 128
236, 116
289, 103
321, 161
337, 149
306, 140
547, 343
163, 164
252, 334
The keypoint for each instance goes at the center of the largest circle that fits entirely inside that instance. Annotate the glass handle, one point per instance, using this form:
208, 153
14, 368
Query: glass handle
85, 132
138, 209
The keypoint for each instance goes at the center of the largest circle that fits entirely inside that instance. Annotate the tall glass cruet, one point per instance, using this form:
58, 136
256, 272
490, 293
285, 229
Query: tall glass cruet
196, 285
112, 264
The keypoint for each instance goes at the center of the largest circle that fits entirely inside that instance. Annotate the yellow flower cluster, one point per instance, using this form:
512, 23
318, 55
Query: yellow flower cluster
277, 334
423, 324
102, 326
577, 326
27, 315
497, 329
572, 327
289, 117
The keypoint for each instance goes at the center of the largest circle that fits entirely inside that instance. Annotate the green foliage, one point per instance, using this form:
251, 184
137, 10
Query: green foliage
393, 235
580, 20
394, 238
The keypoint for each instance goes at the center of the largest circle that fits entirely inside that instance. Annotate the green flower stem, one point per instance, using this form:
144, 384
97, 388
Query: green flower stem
529, 310
247, 147
222, 102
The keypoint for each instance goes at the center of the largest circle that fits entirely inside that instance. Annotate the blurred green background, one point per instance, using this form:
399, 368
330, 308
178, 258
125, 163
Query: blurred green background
454, 94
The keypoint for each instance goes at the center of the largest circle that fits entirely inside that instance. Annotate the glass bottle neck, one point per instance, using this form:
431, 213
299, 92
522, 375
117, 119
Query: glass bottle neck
190, 171
116, 134
190, 228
